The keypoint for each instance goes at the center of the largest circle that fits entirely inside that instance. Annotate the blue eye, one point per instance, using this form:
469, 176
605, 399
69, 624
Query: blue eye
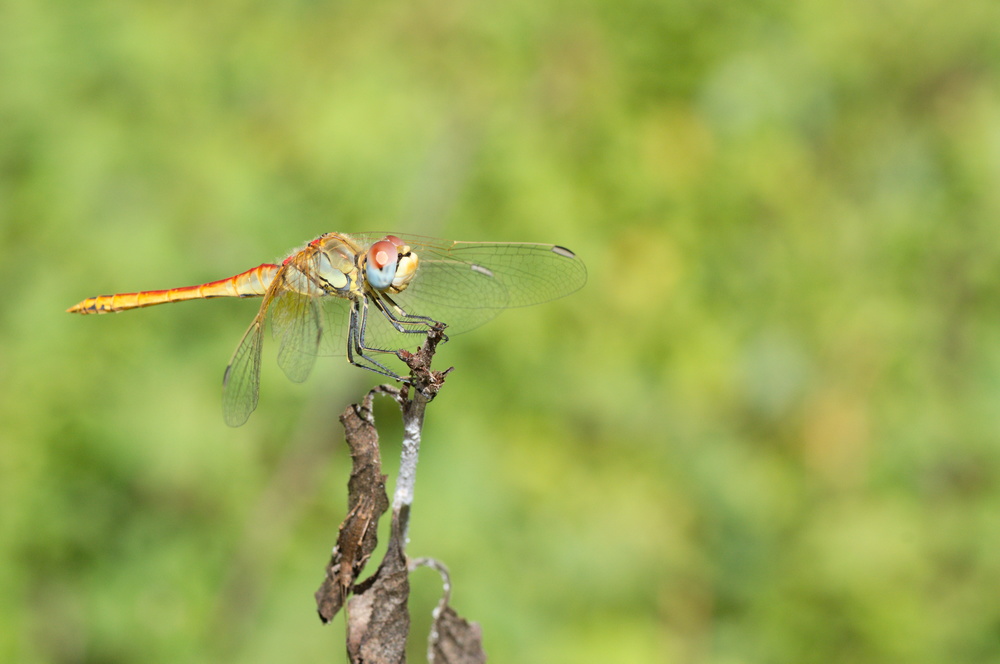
380, 268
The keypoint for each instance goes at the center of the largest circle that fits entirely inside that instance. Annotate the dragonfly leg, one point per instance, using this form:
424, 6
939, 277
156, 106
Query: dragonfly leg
400, 318
355, 344
358, 350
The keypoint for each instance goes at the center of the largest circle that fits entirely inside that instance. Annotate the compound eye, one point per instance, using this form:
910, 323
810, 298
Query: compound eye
395, 240
382, 253
380, 268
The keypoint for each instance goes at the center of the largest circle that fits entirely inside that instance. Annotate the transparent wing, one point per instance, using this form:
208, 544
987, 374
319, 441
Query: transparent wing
530, 273
296, 326
465, 284
241, 382
455, 293
335, 318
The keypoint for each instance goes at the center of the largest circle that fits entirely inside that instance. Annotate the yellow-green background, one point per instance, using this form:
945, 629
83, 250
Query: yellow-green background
767, 430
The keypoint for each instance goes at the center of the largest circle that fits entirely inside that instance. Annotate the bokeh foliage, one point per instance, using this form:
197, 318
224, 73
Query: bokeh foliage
768, 430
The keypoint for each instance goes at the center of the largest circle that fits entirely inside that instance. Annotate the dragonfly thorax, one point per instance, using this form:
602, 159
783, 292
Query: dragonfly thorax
320, 269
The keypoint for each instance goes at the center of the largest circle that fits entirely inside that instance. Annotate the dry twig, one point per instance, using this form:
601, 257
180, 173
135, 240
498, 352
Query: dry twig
378, 620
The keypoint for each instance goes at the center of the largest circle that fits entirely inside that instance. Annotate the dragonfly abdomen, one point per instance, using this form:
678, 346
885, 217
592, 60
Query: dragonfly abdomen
253, 282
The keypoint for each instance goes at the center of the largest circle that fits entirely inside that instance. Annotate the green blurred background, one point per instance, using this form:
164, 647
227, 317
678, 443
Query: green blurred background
767, 430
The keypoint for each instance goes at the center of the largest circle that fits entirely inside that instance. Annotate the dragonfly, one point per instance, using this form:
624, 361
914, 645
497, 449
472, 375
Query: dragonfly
371, 291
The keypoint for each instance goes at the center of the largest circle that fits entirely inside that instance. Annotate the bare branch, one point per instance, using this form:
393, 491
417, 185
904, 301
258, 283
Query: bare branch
425, 384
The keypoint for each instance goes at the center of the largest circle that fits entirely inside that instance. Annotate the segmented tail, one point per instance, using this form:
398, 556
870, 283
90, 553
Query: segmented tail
253, 282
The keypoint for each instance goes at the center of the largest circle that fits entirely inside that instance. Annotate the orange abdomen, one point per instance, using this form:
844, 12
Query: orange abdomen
253, 282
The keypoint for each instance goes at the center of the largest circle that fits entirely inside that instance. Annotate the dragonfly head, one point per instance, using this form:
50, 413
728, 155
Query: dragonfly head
390, 264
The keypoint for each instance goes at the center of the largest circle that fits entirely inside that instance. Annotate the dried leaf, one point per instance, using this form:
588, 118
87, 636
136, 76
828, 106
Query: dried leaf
367, 501
377, 618
454, 640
